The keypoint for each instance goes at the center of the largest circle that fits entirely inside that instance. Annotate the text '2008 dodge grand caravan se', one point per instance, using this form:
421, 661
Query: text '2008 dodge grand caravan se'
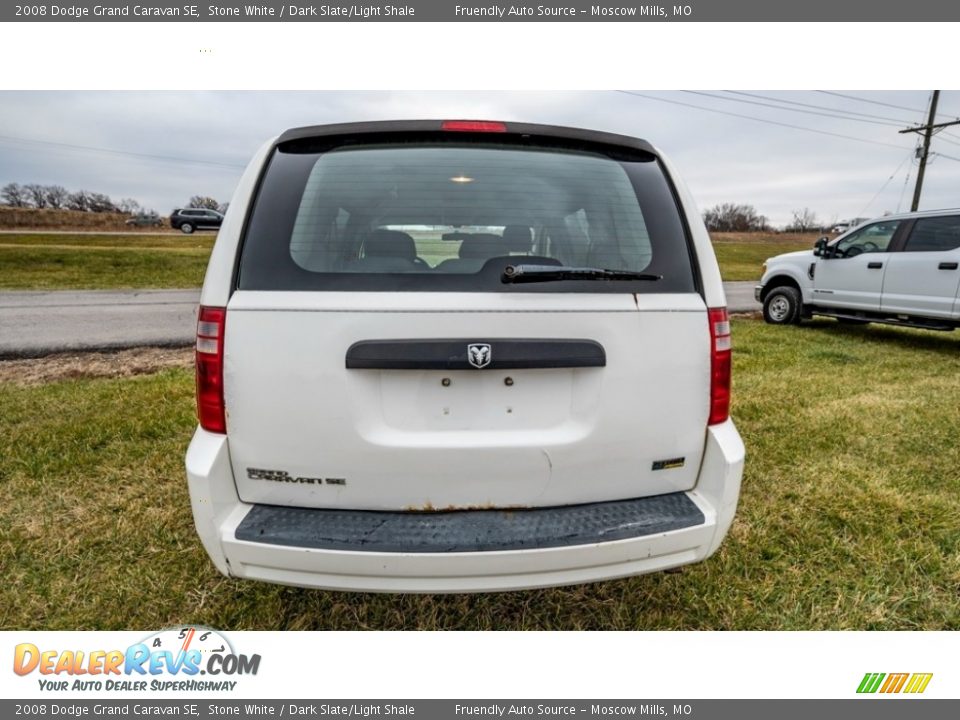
460, 356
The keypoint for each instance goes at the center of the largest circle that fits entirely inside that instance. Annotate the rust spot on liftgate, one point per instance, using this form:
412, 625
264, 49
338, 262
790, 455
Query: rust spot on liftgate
429, 508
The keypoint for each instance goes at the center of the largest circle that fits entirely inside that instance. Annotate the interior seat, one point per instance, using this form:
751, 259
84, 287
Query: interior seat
383, 243
517, 239
481, 245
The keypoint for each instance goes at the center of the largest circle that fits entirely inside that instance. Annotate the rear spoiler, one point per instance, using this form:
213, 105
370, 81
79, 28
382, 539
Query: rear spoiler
385, 129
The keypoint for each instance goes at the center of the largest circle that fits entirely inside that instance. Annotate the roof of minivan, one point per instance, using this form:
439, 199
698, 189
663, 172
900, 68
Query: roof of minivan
396, 127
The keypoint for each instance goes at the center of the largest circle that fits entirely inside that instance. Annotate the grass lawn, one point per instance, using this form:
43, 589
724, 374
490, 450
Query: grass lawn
741, 255
61, 262
848, 517
103, 262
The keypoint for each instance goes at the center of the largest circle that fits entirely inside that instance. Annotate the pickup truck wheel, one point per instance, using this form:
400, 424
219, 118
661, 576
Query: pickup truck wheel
782, 306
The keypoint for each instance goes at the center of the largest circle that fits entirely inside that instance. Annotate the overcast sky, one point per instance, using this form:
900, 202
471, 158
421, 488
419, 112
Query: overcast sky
200, 141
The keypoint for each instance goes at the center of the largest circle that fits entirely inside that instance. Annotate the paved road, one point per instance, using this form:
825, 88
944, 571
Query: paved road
34, 323
740, 296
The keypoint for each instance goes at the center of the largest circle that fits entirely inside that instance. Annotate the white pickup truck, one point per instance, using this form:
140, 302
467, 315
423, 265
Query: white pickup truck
900, 269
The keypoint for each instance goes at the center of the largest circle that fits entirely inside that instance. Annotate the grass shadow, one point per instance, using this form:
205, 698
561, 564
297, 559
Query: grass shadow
904, 338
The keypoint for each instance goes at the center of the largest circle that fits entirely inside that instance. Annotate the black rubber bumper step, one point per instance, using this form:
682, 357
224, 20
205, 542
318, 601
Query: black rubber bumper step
468, 530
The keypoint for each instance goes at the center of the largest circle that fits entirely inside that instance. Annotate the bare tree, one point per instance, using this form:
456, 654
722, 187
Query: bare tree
14, 195
37, 194
129, 206
100, 202
730, 217
203, 201
804, 220
56, 196
79, 200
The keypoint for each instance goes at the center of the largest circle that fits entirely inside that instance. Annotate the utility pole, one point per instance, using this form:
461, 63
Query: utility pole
928, 131
927, 134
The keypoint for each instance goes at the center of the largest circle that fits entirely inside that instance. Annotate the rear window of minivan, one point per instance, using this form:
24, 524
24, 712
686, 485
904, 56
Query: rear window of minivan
449, 216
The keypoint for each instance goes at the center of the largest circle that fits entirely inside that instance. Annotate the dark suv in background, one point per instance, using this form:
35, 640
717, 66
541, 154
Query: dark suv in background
189, 219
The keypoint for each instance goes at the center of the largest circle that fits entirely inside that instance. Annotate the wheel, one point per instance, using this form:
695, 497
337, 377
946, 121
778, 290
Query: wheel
186, 228
782, 306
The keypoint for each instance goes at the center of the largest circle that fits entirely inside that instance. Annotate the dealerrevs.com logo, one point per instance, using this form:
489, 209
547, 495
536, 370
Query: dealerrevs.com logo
172, 659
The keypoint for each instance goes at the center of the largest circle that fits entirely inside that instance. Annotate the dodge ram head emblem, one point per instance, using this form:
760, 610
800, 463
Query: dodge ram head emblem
478, 355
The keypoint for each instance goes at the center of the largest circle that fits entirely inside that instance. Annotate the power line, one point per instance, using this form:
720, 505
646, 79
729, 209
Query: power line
948, 157
874, 102
866, 100
898, 121
898, 107
940, 136
903, 190
805, 112
884, 186
110, 151
762, 120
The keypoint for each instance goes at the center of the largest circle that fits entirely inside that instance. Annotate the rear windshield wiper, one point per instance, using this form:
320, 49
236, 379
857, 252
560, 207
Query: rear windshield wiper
546, 273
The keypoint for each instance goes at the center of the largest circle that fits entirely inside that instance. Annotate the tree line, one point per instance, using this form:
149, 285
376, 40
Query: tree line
57, 197
723, 217
734, 217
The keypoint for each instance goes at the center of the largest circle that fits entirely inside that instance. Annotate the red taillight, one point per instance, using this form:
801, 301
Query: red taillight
210, 410
719, 365
473, 126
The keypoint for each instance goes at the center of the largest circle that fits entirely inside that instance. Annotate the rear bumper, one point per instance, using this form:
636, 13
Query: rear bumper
758, 293
229, 530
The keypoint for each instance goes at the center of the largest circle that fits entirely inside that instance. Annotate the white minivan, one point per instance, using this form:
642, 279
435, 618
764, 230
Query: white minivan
456, 356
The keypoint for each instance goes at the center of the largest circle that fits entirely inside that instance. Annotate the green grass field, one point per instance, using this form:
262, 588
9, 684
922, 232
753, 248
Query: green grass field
102, 262
848, 517
741, 255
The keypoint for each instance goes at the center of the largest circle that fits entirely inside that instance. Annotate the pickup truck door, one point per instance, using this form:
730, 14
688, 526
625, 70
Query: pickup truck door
924, 277
851, 274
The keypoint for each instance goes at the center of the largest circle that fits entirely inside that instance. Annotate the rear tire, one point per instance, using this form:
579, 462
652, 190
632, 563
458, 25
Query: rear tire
186, 228
783, 306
